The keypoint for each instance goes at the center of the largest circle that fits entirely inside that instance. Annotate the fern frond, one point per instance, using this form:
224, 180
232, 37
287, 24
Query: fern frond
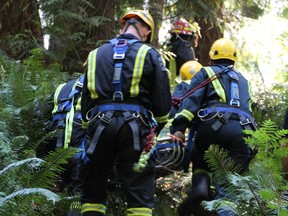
50, 196
52, 167
220, 163
30, 162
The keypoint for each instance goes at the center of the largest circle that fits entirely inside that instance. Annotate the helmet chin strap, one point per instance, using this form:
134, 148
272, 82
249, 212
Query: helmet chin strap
133, 22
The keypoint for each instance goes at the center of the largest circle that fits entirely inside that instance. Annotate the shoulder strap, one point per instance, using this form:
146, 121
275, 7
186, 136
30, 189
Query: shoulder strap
177, 101
120, 47
234, 89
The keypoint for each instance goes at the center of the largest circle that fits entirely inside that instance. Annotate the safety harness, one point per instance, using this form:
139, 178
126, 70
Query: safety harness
65, 99
130, 111
225, 111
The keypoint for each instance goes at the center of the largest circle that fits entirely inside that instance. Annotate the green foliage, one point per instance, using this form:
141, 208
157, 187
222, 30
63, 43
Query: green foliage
28, 184
220, 163
262, 190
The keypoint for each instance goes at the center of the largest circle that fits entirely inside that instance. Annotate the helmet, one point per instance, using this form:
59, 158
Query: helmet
223, 48
143, 15
189, 68
182, 26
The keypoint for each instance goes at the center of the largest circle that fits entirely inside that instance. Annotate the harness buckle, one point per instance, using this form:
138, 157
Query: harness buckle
202, 113
118, 56
121, 43
118, 95
222, 117
107, 117
233, 76
245, 121
235, 103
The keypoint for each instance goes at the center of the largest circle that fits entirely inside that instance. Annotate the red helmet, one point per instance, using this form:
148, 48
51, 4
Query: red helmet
181, 26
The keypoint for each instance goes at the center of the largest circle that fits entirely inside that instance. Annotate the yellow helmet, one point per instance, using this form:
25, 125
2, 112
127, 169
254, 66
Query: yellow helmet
189, 69
143, 15
223, 48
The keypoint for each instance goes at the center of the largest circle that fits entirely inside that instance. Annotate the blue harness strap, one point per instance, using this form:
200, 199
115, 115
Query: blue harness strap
120, 46
234, 89
214, 109
119, 107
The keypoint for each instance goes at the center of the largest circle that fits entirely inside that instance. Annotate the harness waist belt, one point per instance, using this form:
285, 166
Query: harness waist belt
119, 107
209, 110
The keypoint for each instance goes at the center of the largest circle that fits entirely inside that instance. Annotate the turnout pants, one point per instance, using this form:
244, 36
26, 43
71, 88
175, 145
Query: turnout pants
116, 147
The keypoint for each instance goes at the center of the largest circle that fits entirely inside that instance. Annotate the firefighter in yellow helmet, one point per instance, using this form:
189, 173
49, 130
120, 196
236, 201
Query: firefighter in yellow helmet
221, 109
125, 99
187, 72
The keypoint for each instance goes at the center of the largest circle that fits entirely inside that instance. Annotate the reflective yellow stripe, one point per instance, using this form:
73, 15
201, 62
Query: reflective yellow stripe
91, 74
78, 104
216, 84
173, 71
138, 69
57, 92
186, 114
139, 212
162, 119
86, 207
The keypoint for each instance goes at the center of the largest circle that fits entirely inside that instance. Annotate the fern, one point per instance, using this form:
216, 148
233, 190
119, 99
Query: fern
220, 163
52, 168
261, 190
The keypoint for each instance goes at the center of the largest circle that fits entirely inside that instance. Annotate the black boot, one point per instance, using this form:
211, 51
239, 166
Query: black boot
199, 193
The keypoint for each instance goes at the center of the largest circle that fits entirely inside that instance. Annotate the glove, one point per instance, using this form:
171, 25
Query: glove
178, 137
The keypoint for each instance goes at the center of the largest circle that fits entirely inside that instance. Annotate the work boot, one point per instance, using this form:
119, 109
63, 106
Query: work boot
199, 193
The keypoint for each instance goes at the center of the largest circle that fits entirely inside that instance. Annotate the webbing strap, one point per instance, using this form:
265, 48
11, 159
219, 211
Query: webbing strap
214, 109
134, 127
98, 132
117, 107
120, 47
234, 89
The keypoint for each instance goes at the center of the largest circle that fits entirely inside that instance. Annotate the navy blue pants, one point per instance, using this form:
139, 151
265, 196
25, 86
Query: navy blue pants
115, 147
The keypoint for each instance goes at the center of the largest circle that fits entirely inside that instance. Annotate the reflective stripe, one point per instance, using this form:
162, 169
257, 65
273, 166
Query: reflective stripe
91, 74
186, 114
58, 90
139, 212
86, 207
162, 119
138, 69
216, 84
173, 71
78, 104
69, 126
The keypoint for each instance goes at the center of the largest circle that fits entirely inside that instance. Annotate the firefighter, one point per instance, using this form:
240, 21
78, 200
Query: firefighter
187, 71
181, 44
126, 84
221, 109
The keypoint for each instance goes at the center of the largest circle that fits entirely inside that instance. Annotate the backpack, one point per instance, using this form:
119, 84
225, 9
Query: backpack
67, 121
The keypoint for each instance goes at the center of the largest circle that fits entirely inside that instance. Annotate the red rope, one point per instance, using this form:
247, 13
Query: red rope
176, 102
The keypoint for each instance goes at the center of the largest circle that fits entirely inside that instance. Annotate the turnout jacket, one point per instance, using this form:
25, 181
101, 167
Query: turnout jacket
216, 92
144, 79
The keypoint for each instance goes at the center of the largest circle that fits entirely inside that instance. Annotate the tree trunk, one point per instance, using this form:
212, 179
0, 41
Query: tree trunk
209, 35
20, 27
156, 11
78, 37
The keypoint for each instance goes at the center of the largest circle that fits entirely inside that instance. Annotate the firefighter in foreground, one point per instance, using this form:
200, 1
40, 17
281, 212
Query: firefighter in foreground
221, 110
126, 84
